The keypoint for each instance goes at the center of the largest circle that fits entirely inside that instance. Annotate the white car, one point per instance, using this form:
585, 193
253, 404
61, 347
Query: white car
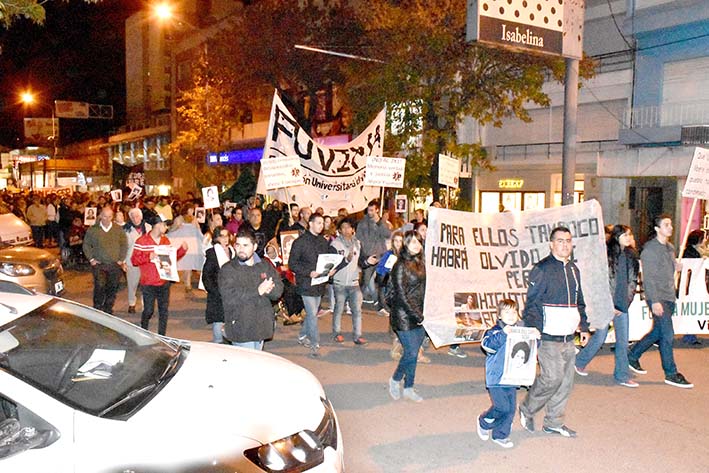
82, 391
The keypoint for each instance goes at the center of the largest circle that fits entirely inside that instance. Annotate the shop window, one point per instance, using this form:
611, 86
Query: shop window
494, 202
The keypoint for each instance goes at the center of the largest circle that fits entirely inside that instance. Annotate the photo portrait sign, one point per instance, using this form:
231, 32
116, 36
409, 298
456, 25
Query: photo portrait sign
402, 203
117, 195
448, 171
166, 263
333, 176
283, 171
489, 257
287, 239
520, 357
385, 172
697, 185
210, 196
90, 216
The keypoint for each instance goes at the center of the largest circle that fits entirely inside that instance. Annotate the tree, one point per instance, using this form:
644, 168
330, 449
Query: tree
206, 114
259, 53
10, 10
431, 78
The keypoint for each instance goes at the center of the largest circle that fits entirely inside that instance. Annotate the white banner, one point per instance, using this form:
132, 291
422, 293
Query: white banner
282, 172
475, 260
448, 171
385, 172
691, 310
333, 176
697, 185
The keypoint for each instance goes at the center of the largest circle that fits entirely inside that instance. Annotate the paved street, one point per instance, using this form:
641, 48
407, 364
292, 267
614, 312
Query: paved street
654, 428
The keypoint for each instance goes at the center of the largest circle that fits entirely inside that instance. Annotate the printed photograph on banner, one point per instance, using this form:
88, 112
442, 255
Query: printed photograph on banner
117, 195
470, 321
287, 239
135, 193
210, 196
90, 216
165, 261
402, 203
520, 357
200, 214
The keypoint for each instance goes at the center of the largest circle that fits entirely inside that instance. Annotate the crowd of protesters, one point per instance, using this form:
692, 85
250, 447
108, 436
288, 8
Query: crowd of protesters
250, 280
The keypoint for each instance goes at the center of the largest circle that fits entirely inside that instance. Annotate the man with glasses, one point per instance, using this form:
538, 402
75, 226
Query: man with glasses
555, 306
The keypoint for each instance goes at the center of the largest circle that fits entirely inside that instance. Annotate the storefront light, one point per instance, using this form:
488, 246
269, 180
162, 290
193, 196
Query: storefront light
163, 189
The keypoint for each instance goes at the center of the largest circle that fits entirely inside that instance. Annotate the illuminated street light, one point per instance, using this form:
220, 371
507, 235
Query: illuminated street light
29, 99
163, 11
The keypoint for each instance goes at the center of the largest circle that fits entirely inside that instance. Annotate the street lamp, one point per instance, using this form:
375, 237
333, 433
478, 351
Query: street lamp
29, 99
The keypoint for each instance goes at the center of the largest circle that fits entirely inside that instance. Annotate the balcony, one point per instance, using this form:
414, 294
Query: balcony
586, 151
661, 124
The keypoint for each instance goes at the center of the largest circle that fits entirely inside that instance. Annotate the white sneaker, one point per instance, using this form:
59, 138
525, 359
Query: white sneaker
484, 434
394, 389
383, 312
412, 395
504, 443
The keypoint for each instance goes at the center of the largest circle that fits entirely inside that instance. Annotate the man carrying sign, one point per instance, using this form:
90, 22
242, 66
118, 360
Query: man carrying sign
555, 306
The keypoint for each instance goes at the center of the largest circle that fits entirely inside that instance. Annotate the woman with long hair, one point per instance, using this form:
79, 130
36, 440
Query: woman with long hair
406, 293
623, 278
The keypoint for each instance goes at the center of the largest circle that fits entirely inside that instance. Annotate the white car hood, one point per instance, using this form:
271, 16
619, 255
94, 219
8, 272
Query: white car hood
224, 390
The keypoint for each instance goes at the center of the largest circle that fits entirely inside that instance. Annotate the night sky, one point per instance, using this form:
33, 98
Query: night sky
78, 54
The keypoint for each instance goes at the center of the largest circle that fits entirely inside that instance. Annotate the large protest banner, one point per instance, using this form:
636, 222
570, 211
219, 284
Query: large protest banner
691, 309
475, 260
333, 175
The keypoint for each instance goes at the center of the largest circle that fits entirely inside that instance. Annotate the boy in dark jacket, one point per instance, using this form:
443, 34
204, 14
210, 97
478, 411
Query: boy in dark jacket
498, 418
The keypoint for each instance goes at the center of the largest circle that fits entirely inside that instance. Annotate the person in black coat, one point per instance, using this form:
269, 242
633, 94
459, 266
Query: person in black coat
407, 286
214, 313
253, 285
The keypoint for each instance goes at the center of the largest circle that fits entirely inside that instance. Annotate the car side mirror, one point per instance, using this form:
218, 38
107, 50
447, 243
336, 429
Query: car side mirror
16, 439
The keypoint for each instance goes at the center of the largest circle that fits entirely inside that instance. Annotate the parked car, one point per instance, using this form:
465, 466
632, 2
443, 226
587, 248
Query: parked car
82, 391
31, 267
14, 231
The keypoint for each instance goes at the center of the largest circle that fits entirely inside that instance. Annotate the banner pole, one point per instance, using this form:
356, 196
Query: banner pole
381, 201
686, 229
448, 197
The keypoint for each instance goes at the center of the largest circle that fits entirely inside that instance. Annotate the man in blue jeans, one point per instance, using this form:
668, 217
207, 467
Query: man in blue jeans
303, 261
659, 267
346, 281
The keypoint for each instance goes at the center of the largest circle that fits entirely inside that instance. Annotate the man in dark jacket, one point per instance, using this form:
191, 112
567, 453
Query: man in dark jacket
251, 285
555, 306
303, 261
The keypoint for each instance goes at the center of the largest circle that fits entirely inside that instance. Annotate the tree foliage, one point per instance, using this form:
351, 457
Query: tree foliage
206, 114
431, 78
10, 10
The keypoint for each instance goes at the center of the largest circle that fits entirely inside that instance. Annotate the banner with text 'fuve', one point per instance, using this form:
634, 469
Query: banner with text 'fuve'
333, 176
474, 260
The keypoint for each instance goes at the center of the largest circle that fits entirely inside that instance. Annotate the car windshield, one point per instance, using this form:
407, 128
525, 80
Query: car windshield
86, 359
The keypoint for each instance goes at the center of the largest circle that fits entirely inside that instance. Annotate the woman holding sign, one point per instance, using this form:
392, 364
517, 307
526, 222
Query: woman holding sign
407, 285
623, 272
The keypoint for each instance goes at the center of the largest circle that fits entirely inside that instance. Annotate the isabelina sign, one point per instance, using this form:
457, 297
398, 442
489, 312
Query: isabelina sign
552, 27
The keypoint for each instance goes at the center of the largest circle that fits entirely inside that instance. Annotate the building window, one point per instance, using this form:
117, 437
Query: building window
495, 201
